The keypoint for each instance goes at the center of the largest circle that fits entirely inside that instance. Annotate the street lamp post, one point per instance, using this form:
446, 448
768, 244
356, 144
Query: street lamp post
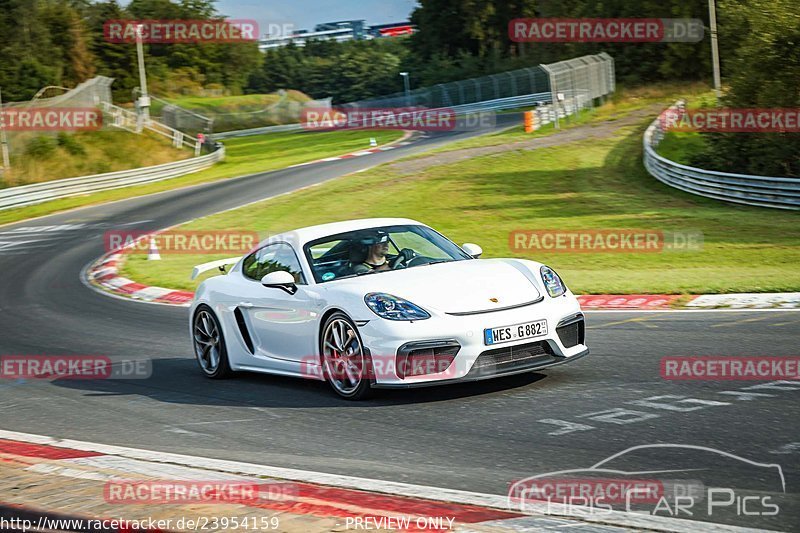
3, 137
144, 99
712, 16
406, 86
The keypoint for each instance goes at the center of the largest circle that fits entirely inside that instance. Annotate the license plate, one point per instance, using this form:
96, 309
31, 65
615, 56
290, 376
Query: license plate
526, 330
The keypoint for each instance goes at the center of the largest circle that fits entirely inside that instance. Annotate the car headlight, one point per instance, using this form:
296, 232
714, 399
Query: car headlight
555, 287
394, 308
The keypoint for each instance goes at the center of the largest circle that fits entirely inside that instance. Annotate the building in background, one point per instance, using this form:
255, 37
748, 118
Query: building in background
395, 29
340, 31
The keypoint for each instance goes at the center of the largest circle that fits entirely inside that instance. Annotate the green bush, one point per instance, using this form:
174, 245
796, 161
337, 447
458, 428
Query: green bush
70, 144
41, 147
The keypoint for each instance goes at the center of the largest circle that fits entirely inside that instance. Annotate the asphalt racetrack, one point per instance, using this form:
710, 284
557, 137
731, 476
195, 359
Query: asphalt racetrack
477, 437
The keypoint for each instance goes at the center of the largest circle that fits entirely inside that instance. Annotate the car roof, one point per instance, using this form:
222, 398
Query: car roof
301, 236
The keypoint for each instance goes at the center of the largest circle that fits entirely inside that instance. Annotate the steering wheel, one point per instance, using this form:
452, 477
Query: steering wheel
402, 259
417, 258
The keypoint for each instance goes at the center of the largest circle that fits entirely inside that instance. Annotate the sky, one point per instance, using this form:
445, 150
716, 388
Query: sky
304, 14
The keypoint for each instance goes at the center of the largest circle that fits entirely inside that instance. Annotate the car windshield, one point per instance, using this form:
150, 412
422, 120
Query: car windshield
379, 249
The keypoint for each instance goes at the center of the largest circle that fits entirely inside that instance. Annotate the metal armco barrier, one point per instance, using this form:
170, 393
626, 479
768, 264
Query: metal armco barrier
52, 190
762, 191
256, 131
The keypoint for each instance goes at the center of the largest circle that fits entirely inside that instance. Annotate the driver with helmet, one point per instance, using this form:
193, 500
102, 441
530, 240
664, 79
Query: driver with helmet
377, 248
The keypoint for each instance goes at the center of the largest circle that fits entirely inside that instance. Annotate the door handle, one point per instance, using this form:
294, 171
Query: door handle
246, 305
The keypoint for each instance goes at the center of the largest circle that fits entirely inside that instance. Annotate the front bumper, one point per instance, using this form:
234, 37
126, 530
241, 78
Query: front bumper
446, 334
479, 376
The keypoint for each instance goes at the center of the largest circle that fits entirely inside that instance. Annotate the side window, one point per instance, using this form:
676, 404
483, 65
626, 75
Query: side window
271, 258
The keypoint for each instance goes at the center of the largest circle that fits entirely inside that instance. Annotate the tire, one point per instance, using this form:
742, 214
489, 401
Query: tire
209, 344
345, 362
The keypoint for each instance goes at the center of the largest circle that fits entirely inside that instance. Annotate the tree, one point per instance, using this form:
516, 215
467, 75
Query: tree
763, 71
69, 43
114, 60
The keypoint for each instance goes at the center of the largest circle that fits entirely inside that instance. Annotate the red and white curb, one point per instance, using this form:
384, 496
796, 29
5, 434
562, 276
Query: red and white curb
740, 301
335, 495
627, 301
402, 141
784, 300
104, 273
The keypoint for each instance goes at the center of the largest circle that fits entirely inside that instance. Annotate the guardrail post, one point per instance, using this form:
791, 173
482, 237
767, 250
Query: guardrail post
553, 93
513, 84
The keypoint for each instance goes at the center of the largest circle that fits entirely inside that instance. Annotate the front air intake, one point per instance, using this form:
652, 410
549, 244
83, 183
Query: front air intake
426, 357
571, 332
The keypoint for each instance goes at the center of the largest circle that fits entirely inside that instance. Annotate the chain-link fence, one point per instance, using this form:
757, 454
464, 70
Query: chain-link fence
89, 94
31, 130
573, 85
286, 109
524, 81
177, 117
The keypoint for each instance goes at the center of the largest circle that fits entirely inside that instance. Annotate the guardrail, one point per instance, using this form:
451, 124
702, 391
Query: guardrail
256, 131
762, 191
52, 190
499, 104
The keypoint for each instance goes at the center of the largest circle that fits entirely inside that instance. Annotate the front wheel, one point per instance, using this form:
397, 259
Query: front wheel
209, 344
344, 359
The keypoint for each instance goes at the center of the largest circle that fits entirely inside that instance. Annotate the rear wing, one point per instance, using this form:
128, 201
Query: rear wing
205, 267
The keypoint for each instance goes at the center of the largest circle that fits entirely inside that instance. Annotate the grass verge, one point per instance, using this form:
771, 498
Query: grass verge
623, 102
592, 184
244, 155
46, 157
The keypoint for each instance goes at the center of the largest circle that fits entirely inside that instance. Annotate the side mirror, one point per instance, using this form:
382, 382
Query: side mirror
472, 249
280, 279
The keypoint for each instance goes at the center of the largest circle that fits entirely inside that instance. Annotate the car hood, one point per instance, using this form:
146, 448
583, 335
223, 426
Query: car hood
456, 287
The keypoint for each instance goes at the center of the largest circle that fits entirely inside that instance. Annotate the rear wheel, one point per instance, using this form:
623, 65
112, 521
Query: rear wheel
344, 359
209, 344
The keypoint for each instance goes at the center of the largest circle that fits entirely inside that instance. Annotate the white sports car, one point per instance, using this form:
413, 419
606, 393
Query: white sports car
381, 303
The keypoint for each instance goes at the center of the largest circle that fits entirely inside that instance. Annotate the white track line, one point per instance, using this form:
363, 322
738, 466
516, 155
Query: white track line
495, 501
